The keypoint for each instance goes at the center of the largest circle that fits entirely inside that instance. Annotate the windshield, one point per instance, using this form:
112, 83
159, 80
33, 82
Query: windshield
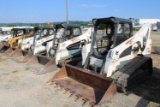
16, 33
20, 32
103, 38
105, 30
51, 32
44, 32
60, 32
123, 29
4, 33
37, 32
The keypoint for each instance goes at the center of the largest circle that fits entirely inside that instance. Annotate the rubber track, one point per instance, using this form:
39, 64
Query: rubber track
132, 74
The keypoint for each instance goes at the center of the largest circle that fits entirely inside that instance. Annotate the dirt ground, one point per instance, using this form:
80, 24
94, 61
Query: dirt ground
20, 87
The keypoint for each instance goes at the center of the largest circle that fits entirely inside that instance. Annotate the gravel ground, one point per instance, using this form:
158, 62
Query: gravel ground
22, 88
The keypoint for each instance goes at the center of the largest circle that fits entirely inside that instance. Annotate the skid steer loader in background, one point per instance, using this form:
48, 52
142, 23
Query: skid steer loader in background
67, 42
9, 47
114, 58
26, 41
32, 45
5, 34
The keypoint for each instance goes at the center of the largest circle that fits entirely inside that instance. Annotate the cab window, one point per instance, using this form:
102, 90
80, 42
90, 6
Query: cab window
76, 32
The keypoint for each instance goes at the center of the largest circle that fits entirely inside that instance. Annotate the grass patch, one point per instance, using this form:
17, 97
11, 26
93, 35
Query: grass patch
15, 71
155, 33
152, 32
27, 69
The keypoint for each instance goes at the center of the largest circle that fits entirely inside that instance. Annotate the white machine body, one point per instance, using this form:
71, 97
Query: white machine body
113, 62
62, 50
38, 44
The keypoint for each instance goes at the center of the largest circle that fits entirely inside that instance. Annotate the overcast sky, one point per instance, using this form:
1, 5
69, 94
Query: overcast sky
84, 10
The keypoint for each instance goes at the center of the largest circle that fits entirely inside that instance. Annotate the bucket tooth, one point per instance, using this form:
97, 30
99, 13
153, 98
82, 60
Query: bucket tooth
92, 104
91, 87
79, 97
72, 94
61, 88
56, 86
54, 83
66, 90
86, 102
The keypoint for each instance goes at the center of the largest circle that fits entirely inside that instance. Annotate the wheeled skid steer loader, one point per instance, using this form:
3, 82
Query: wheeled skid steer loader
68, 36
9, 47
115, 55
29, 46
5, 34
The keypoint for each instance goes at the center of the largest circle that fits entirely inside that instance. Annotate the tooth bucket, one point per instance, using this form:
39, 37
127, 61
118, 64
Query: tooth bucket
40, 64
20, 56
1, 45
92, 88
9, 51
3, 49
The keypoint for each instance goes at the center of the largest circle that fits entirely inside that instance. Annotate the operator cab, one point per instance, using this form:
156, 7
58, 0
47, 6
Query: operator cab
108, 33
42, 32
17, 32
64, 32
67, 31
21, 31
2, 33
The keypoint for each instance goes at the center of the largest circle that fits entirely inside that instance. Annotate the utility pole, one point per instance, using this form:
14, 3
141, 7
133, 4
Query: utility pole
67, 12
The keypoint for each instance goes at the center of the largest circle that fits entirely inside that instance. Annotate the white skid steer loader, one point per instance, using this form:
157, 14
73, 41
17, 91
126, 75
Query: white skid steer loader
4, 37
12, 44
33, 45
6, 34
26, 42
114, 58
67, 36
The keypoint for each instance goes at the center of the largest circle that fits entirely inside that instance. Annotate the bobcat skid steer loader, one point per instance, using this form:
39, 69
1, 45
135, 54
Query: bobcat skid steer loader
5, 35
9, 47
67, 35
31, 45
23, 47
114, 58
